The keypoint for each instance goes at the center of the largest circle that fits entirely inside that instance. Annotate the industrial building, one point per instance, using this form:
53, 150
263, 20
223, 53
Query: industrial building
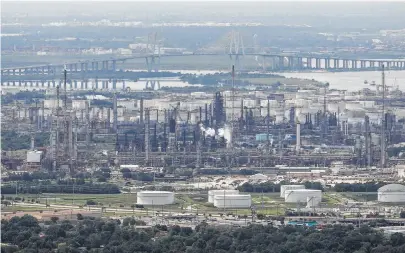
392, 193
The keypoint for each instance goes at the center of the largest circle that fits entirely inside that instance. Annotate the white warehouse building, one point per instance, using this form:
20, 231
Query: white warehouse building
155, 198
233, 201
213, 193
302, 195
392, 193
284, 188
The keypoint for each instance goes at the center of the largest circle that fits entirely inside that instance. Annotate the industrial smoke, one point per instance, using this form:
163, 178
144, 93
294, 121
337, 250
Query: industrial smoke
222, 132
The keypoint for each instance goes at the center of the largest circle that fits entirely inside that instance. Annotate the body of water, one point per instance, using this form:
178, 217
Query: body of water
353, 81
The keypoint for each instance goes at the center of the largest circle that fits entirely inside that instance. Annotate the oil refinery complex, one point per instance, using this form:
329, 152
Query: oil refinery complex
310, 134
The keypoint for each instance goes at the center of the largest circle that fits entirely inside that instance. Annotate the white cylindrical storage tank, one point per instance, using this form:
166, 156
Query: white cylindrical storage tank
233, 201
313, 201
213, 193
300, 195
51, 103
284, 188
155, 198
34, 156
392, 193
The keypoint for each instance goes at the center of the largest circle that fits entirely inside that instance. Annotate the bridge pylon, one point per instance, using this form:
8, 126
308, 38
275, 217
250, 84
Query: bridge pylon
151, 85
236, 50
153, 53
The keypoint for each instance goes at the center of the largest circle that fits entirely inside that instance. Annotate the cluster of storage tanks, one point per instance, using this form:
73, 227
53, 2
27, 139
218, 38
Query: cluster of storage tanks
159, 198
298, 194
229, 199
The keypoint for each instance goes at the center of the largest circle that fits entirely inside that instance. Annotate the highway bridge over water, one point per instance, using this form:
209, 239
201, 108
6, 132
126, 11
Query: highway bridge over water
273, 62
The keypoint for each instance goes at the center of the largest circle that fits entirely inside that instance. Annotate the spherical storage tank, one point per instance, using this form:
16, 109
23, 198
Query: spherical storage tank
213, 193
284, 188
155, 198
393, 193
232, 201
301, 195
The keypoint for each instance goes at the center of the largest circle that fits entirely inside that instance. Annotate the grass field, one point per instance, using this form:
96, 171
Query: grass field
107, 200
268, 203
360, 196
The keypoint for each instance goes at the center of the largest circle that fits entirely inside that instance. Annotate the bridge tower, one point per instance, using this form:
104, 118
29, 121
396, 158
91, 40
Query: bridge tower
256, 49
153, 53
236, 49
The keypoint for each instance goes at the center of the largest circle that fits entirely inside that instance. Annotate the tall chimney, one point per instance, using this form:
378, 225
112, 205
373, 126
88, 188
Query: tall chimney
298, 136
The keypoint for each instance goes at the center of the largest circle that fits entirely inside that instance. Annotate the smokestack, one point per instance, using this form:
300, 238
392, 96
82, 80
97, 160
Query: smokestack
206, 114
141, 111
382, 120
147, 137
32, 143
115, 121
43, 114
164, 137
241, 109
64, 87
87, 114
298, 136
108, 118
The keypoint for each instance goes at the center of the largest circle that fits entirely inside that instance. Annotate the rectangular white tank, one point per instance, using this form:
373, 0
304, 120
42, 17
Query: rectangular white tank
284, 188
233, 201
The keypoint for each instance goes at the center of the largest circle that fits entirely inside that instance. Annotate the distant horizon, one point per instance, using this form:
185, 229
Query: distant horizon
262, 7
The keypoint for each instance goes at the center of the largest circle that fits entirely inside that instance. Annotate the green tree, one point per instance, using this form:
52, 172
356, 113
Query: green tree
54, 219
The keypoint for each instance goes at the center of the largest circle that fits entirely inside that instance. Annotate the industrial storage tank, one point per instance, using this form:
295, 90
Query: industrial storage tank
284, 188
213, 193
393, 193
301, 195
155, 198
34, 156
233, 201
313, 201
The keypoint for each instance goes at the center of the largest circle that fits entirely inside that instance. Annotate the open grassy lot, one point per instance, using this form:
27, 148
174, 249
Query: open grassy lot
266, 203
107, 200
360, 196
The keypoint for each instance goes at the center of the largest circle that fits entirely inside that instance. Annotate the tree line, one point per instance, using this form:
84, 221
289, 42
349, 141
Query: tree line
274, 187
25, 234
341, 187
11, 140
59, 187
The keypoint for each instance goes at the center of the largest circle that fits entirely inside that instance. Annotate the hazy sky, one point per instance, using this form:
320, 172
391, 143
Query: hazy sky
193, 7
